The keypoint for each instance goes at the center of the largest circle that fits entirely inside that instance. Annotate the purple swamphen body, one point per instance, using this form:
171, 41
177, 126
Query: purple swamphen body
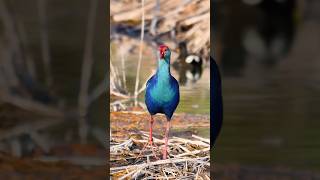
162, 93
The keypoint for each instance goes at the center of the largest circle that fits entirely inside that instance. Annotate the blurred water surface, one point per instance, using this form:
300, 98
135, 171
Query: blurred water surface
194, 95
270, 63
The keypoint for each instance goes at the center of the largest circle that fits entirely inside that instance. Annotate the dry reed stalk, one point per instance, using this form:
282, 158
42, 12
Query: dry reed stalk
195, 19
140, 53
201, 138
30, 63
45, 45
187, 163
86, 72
135, 12
77, 160
123, 59
159, 162
30, 105
7, 78
10, 34
41, 141
165, 17
116, 86
98, 91
29, 127
145, 83
119, 94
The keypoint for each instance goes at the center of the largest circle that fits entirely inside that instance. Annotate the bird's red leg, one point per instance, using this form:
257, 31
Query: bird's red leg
150, 130
166, 139
150, 139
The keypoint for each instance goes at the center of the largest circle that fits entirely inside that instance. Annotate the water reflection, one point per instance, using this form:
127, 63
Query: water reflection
262, 32
193, 79
270, 39
270, 68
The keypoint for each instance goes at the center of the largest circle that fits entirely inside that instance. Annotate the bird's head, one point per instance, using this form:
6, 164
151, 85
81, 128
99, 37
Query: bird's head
164, 52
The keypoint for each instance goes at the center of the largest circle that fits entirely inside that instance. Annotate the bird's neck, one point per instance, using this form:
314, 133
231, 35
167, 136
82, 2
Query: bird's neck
183, 50
163, 71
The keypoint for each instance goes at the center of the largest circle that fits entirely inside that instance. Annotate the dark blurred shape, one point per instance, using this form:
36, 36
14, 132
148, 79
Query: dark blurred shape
216, 104
260, 30
270, 68
278, 7
27, 168
235, 172
271, 38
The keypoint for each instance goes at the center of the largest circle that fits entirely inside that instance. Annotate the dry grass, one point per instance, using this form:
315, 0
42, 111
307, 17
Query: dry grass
188, 158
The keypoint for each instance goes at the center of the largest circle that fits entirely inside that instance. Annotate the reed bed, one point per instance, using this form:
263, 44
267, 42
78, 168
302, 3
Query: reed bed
165, 21
184, 20
133, 158
21, 87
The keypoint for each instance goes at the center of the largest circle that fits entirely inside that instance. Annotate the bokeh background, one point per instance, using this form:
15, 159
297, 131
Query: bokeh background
269, 55
53, 74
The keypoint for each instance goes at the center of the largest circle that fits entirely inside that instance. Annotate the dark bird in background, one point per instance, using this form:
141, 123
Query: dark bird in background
188, 58
189, 65
216, 108
162, 93
270, 39
274, 6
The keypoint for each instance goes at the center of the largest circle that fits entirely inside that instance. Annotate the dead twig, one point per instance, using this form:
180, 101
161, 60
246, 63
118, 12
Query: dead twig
140, 52
86, 72
42, 4
187, 163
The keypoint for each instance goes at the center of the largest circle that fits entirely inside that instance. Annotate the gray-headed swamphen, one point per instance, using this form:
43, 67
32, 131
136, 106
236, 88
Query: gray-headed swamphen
162, 93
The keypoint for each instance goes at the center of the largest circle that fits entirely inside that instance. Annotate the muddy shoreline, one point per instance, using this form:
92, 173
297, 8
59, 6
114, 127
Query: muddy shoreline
182, 124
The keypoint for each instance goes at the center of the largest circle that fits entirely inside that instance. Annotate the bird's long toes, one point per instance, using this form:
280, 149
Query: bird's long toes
155, 155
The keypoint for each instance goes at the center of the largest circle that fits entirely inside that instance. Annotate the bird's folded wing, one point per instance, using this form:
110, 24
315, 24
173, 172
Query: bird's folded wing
148, 82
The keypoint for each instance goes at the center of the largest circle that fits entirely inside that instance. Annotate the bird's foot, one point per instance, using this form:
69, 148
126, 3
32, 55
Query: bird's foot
153, 147
154, 154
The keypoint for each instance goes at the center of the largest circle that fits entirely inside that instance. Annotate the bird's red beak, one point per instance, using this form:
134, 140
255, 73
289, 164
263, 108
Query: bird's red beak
162, 49
161, 54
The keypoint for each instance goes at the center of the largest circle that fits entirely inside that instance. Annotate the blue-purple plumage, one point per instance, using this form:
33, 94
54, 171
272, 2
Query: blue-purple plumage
162, 97
162, 94
162, 91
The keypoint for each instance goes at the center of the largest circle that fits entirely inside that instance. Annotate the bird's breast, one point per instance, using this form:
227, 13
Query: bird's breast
162, 93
